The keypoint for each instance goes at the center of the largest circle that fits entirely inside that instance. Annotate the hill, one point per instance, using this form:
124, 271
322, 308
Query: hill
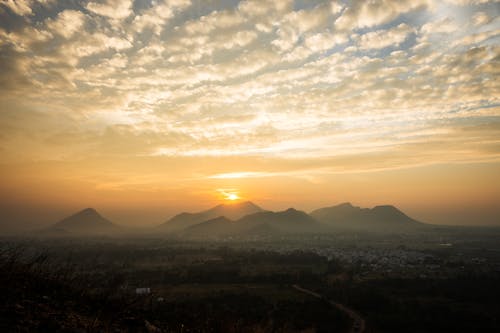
289, 221
231, 211
87, 221
258, 224
380, 218
217, 227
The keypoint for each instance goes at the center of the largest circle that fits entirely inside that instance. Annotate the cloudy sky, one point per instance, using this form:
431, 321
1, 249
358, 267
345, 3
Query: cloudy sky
144, 108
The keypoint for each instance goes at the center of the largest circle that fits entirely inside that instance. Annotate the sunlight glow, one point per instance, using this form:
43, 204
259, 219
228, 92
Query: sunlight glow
229, 194
232, 196
234, 175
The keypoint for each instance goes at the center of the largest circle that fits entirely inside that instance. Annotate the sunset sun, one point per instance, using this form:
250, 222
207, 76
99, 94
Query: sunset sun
229, 194
232, 196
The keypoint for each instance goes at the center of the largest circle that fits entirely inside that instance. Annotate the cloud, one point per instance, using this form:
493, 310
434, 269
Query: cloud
384, 38
157, 16
20, 7
262, 8
444, 26
215, 20
481, 18
467, 2
363, 14
67, 23
254, 80
114, 9
296, 23
324, 41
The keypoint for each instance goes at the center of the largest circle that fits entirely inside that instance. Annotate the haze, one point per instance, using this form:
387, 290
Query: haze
144, 109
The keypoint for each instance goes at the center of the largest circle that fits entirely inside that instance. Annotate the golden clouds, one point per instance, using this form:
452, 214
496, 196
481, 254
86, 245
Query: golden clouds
115, 9
304, 90
385, 38
365, 14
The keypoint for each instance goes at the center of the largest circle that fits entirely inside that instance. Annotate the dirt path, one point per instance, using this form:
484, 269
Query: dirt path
358, 323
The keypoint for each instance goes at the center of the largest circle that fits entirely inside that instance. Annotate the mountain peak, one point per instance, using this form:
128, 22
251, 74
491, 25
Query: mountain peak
385, 208
346, 215
88, 211
219, 219
232, 211
390, 213
290, 220
243, 204
86, 220
248, 203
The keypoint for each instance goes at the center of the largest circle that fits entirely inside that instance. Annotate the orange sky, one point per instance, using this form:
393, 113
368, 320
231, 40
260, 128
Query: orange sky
445, 193
144, 109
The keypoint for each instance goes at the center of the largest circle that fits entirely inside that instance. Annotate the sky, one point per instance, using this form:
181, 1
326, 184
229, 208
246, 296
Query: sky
142, 109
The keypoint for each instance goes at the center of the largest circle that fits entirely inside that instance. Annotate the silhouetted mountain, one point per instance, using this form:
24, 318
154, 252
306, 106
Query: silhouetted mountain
290, 220
219, 226
262, 223
391, 214
231, 211
347, 216
85, 221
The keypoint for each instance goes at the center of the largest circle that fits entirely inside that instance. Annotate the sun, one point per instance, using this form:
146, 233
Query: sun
229, 194
232, 196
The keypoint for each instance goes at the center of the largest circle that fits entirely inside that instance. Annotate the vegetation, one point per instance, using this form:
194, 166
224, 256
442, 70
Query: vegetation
396, 284
55, 293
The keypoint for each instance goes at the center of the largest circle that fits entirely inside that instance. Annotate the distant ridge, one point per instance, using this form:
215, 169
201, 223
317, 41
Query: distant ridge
217, 227
347, 216
232, 211
247, 219
290, 220
263, 223
86, 221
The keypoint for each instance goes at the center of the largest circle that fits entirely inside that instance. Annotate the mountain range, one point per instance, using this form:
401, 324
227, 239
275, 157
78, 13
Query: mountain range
347, 216
248, 219
260, 223
230, 211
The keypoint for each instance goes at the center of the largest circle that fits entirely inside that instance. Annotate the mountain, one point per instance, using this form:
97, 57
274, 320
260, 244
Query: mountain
289, 221
87, 221
379, 218
231, 211
217, 227
263, 223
